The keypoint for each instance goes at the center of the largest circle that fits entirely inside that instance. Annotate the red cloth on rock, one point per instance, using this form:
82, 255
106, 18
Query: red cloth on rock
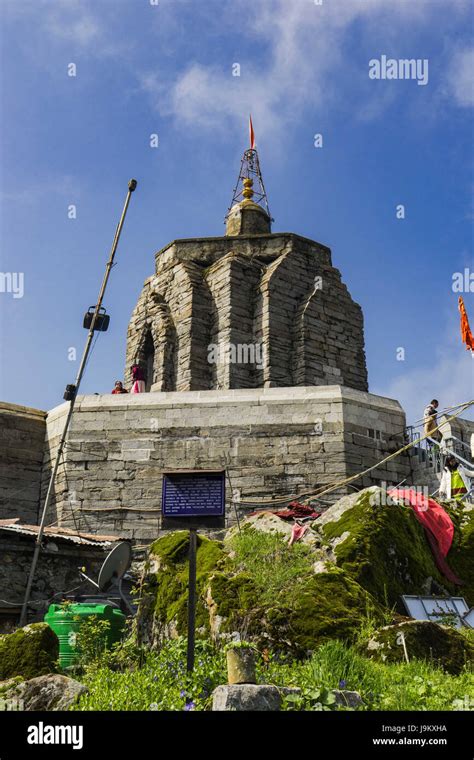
297, 532
437, 523
296, 510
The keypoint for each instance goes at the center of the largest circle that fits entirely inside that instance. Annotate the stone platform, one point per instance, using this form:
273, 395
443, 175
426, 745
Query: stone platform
273, 442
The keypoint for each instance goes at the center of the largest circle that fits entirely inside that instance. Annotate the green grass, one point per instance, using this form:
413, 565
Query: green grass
414, 686
273, 565
155, 680
158, 680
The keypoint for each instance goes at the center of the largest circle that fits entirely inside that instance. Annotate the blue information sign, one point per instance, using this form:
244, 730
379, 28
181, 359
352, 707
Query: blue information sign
193, 494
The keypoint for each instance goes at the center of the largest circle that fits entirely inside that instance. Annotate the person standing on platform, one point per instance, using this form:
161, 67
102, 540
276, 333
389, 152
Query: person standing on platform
138, 379
431, 422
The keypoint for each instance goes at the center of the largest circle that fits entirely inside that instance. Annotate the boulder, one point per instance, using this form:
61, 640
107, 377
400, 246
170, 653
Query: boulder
51, 692
246, 697
268, 522
28, 652
328, 606
263, 698
271, 604
366, 550
424, 640
380, 544
162, 612
461, 554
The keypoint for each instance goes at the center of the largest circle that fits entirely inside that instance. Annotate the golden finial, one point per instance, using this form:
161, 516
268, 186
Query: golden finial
247, 192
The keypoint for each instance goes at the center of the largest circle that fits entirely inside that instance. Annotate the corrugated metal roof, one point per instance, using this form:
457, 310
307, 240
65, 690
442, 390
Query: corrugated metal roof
13, 525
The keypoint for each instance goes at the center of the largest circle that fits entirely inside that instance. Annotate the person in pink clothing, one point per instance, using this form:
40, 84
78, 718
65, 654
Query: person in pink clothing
138, 379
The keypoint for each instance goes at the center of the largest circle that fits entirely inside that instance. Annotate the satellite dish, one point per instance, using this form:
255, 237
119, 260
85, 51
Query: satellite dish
112, 571
115, 566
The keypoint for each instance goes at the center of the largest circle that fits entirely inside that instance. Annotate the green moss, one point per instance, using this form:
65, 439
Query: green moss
11, 683
169, 587
329, 605
265, 590
461, 554
424, 640
385, 550
29, 652
234, 596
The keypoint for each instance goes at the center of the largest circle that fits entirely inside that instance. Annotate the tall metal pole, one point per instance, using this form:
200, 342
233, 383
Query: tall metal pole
24, 610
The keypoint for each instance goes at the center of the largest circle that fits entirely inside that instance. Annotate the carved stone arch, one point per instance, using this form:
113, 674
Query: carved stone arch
166, 347
157, 345
189, 301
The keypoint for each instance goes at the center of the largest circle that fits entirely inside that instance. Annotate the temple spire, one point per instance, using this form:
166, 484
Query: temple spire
249, 195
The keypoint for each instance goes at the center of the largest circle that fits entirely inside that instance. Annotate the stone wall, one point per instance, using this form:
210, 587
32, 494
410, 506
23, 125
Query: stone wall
275, 299
22, 434
277, 442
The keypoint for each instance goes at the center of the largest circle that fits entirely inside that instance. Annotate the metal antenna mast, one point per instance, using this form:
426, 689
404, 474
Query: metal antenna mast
250, 170
71, 393
250, 185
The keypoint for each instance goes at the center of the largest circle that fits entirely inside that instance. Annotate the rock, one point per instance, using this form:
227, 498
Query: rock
28, 652
302, 611
336, 510
241, 665
246, 697
460, 557
323, 607
268, 522
380, 545
350, 699
162, 612
51, 692
262, 698
440, 644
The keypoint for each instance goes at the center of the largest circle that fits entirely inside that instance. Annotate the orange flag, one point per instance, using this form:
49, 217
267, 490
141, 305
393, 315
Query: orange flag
466, 333
251, 133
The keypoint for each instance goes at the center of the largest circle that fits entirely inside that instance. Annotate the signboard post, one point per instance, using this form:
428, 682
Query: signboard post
193, 499
191, 599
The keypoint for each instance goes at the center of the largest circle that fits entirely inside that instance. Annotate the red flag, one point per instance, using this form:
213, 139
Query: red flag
466, 333
252, 134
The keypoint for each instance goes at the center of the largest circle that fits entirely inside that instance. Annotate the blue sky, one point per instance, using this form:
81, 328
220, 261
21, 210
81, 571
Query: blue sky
168, 69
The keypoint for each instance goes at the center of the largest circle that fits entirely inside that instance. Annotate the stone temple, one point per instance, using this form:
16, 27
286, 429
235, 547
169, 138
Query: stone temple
253, 352
277, 296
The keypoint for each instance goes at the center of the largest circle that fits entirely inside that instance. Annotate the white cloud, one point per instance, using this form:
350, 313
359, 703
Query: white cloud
460, 80
76, 26
305, 44
64, 186
449, 377
81, 25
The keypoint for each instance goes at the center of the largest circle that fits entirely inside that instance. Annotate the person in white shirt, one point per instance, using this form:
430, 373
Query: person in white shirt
455, 480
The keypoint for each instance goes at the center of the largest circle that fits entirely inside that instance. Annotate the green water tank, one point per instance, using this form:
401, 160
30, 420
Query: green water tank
66, 622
